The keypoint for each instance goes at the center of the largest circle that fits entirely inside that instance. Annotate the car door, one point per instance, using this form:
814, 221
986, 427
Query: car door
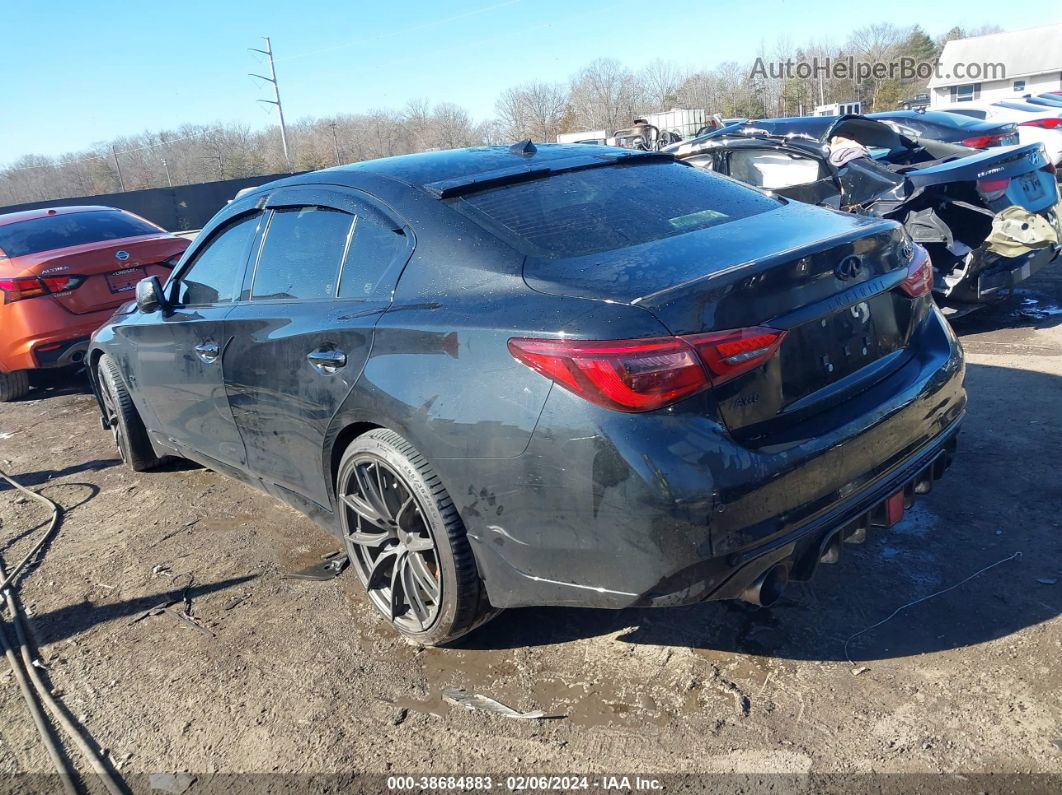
176, 352
300, 335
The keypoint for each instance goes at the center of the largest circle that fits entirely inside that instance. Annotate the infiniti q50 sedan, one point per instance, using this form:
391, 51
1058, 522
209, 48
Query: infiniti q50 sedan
553, 375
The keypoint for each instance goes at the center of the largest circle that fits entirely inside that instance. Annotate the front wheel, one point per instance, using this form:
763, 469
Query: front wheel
128, 429
406, 541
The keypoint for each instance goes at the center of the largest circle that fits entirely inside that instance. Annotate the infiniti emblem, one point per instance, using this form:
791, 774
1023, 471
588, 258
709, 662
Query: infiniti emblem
121, 255
848, 268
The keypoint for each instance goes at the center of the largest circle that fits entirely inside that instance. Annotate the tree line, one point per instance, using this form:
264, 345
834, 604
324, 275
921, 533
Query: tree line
605, 94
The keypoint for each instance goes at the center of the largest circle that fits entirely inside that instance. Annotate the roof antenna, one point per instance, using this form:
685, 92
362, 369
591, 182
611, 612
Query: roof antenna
525, 148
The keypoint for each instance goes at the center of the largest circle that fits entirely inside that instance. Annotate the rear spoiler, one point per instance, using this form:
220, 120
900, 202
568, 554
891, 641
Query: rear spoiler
472, 183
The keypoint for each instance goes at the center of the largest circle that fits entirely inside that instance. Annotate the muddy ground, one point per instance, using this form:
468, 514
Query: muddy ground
303, 677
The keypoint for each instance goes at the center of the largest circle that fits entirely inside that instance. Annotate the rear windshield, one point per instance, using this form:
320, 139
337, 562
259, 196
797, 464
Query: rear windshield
605, 208
74, 229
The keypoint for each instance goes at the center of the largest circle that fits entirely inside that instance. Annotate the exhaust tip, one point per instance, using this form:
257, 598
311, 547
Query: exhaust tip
768, 588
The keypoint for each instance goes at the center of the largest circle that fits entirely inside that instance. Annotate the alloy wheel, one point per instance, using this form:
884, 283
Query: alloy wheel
390, 543
112, 418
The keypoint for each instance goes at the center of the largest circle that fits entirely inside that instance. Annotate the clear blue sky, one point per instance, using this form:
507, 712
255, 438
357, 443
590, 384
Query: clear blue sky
81, 72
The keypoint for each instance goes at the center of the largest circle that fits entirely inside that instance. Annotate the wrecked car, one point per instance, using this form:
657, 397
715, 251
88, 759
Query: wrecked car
988, 219
554, 375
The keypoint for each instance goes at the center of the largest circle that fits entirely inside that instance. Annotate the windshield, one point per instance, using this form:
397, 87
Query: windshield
71, 229
601, 209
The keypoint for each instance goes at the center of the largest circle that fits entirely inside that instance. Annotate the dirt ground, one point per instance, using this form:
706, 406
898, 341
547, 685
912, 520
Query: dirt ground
292, 676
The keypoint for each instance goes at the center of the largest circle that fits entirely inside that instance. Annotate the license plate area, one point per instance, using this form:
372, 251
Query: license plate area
823, 351
1031, 186
124, 281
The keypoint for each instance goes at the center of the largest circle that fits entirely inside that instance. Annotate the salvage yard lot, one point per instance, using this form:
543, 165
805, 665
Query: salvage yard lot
287, 675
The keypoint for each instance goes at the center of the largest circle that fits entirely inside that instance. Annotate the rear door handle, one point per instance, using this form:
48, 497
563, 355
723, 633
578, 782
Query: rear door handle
208, 352
327, 361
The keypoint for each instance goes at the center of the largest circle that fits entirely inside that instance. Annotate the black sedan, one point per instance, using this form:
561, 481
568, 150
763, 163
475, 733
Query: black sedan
952, 128
564, 375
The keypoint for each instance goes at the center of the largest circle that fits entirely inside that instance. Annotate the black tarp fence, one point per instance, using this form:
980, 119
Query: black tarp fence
176, 209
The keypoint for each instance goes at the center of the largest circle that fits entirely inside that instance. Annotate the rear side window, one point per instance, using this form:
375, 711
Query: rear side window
302, 253
374, 247
605, 208
216, 269
73, 229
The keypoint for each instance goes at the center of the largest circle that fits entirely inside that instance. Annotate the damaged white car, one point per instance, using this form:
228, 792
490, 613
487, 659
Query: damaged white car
989, 219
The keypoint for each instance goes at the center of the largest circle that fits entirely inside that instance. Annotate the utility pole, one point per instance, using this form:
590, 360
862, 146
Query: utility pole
268, 52
335, 142
118, 167
165, 165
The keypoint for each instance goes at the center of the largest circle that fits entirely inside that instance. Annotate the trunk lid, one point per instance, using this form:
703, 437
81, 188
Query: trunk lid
828, 279
1005, 176
108, 272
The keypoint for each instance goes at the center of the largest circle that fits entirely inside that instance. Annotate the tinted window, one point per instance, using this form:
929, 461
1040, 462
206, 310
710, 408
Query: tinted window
217, 268
75, 229
301, 254
375, 245
605, 208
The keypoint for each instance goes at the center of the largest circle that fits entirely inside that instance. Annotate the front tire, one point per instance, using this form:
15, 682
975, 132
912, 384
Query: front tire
130, 435
406, 540
13, 385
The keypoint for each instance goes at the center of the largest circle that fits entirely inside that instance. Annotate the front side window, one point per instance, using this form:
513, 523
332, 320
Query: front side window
302, 254
217, 268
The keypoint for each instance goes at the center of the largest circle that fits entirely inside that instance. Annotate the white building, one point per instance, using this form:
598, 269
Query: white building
838, 109
1031, 64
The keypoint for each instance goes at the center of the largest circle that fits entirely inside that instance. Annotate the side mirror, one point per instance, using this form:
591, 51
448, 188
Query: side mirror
149, 295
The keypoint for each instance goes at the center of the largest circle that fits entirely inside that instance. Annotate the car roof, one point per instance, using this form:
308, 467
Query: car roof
454, 166
45, 212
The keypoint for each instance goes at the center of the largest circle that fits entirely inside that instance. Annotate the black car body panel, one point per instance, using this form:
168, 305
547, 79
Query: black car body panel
947, 196
950, 127
564, 502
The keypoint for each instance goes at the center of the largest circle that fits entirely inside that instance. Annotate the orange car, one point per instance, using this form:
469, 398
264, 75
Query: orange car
63, 272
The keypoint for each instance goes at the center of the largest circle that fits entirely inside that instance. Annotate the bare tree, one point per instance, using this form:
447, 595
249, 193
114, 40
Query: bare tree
661, 82
533, 110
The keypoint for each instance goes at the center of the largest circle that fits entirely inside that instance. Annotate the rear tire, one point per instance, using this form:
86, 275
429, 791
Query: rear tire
13, 385
130, 435
403, 534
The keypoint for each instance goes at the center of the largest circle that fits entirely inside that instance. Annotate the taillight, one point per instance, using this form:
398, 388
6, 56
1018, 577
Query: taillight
919, 279
983, 141
32, 287
728, 354
17, 289
1050, 168
1046, 124
992, 189
647, 374
171, 262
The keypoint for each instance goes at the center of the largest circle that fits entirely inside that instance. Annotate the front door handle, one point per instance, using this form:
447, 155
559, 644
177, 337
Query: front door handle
208, 352
327, 361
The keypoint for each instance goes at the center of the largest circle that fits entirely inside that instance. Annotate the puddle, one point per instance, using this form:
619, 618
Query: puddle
1037, 309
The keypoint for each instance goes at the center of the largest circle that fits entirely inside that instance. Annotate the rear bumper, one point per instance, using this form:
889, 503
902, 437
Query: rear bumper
801, 550
1005, 273
38, 333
